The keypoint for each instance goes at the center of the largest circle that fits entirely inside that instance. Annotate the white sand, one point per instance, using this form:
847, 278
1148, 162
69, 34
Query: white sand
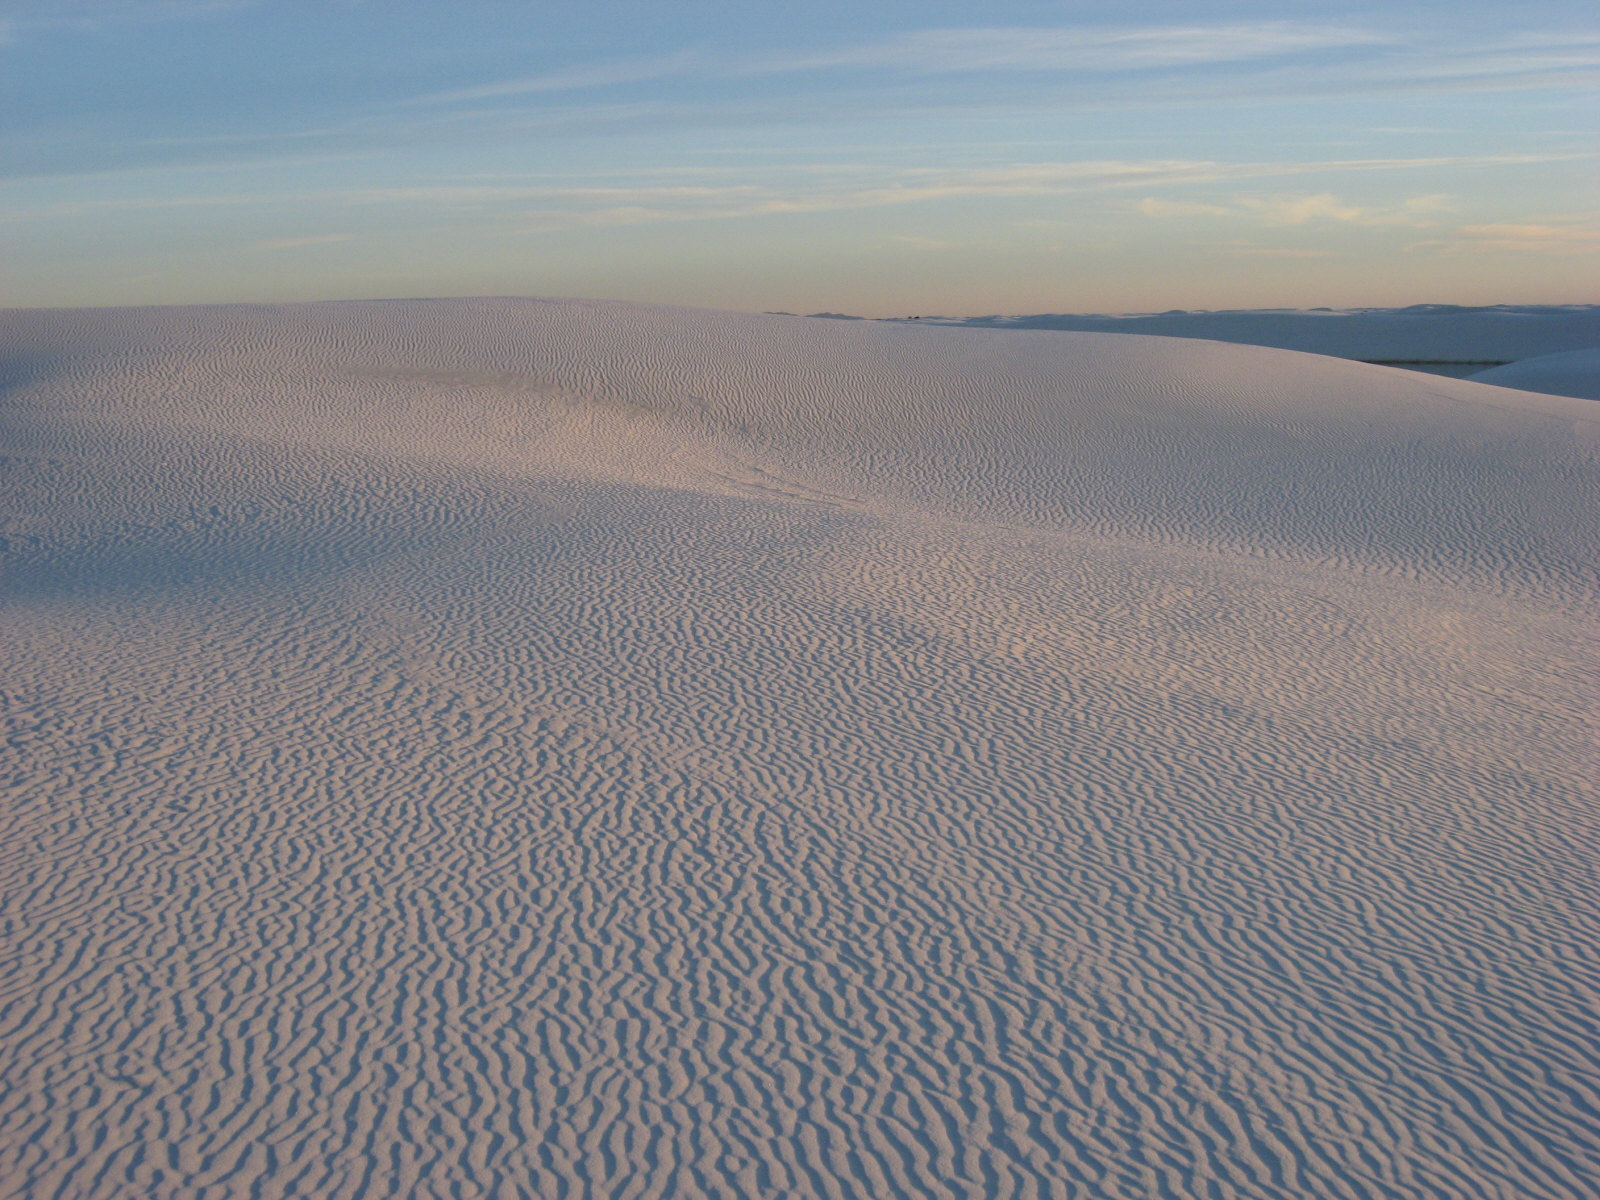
1575, 373
509, 748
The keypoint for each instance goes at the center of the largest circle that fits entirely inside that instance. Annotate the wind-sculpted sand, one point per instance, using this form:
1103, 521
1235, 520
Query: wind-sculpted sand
511, 748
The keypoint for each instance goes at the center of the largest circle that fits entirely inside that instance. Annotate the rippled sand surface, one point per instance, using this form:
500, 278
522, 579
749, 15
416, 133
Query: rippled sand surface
514, 748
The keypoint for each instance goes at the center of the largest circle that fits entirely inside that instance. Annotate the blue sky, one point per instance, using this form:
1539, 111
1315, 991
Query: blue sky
876, 157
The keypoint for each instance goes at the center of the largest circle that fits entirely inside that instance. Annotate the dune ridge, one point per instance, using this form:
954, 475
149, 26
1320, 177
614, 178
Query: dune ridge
539, 748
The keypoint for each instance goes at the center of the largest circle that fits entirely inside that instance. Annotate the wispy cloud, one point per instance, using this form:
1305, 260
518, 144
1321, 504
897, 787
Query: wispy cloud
93, 16
131, 204
1098, 49
1513, 63
544, 207
1152, 206
1556, 238
1513, 57
624, 206
591, 75
1305, 208
1317, 207
296, 243
922, 243
113, 10
1159, 63
1286, 252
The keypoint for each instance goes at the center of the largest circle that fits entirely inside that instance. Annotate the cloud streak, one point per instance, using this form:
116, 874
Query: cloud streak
296, 243
93, 16
1272, 57
625, 206
1097, 50
1564, 238
1304, 208
824, 188
938, 51
592, 75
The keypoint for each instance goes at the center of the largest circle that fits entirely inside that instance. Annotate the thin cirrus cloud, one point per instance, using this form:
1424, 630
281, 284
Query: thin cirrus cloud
1099, 66
1515, 60
17, 16
1517, 55
1154, 206
591, 75
1315, 207
297, 243
938, 51
1566, 237
1514, 63
813, 188
948, 51
1305, 208
1247, 250
591, 208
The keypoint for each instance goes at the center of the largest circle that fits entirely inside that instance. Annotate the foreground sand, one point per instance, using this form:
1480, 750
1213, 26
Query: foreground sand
510, 748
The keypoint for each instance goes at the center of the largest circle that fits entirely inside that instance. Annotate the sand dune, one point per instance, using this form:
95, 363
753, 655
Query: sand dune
515, 748
1425, 333
1575, 373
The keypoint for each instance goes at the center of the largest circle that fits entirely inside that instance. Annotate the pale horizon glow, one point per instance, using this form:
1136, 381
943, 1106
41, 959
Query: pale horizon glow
937, 158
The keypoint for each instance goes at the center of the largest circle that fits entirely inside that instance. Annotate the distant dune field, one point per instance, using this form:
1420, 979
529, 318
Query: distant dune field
533, 749
1430, 336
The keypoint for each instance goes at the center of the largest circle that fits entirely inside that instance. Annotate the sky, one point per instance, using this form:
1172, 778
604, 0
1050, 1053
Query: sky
875, 157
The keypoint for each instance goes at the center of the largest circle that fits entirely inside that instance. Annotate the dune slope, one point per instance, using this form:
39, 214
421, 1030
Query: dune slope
518, 748
1575, 373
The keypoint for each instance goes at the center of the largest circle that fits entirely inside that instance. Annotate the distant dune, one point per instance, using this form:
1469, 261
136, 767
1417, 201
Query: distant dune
1575, 373
1421, 334
529, 748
